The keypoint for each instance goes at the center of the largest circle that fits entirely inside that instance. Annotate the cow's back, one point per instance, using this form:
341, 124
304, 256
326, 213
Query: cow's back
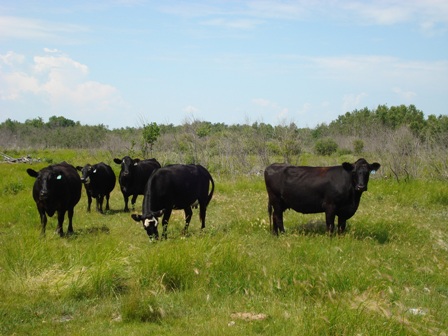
103, 182
74, 184
177, 185
141, 173
306, 189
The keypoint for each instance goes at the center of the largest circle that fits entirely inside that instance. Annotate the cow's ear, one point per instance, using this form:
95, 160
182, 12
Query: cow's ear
374, 166
136, 161
159, 213
79, 168
117, 161
32, 172
347, 166
136, 217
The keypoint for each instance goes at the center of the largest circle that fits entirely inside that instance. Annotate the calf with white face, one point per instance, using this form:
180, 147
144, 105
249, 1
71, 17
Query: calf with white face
175, 187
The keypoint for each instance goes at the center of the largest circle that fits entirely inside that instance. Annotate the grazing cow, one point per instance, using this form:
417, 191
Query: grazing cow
99, 181
57, 189
334, 190
175, 187
133, 177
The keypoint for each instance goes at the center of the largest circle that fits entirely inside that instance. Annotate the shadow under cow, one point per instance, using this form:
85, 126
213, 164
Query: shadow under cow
380, 235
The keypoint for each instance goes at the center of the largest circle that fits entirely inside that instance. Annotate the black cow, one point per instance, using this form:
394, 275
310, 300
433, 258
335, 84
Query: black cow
99, 181
334, 190
175, 187
57, 188
133, 177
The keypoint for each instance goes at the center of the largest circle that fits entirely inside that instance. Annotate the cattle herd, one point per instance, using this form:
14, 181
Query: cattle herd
335, 190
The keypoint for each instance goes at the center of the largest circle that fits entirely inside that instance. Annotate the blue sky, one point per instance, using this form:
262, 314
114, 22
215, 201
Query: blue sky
129, 62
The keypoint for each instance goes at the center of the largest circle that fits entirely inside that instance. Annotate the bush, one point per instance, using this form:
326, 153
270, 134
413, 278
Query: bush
358, 146
326, 146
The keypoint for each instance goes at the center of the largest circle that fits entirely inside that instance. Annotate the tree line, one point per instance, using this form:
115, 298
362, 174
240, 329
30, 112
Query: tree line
410, 144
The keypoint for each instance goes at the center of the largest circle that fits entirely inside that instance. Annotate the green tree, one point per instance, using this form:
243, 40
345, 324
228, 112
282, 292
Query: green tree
55, 122
36, 122
151, 133
358, 146
325, 146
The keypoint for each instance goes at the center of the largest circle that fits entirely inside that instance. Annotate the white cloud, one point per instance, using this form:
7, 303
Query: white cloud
406, 95
11, 59
279, 9
283, 114
48, 50
430, 15
233, 24
191, 109
305, 109
379, 12
58, 82
31, 29
263, 102
351, 102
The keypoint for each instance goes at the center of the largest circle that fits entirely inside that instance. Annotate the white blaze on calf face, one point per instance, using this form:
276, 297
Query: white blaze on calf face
148, 221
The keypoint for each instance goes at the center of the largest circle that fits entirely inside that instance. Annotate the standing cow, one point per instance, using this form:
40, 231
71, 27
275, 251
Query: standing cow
334, 190
175, 187
99, 181
57, 189
133, 177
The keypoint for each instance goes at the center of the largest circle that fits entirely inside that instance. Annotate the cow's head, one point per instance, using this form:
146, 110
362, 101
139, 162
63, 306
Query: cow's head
150, 223
86, 173
127, 164
360, 171
47, 180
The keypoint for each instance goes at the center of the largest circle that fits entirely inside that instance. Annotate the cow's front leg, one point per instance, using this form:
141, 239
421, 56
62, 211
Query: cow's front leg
89, 201
133, 200
166, 218
188, 215
329, 219
43, 222
126, 201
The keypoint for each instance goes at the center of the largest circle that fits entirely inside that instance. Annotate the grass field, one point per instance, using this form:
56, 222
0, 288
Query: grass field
388, 275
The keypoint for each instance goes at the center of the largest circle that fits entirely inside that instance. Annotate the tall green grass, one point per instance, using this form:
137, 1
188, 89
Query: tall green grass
385, 276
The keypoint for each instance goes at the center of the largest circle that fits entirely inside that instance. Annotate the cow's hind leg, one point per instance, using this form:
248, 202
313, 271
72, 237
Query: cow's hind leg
278, 221
188, 215
107, 202
341, 225
202, 213
60, 229
270, 215
99, 203
70, 221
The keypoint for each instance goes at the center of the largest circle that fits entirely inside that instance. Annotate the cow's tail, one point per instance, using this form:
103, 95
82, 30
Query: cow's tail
270, 215
213, 188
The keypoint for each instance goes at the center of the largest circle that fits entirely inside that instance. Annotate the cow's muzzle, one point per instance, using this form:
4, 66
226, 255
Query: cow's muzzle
43, 195
361, 187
